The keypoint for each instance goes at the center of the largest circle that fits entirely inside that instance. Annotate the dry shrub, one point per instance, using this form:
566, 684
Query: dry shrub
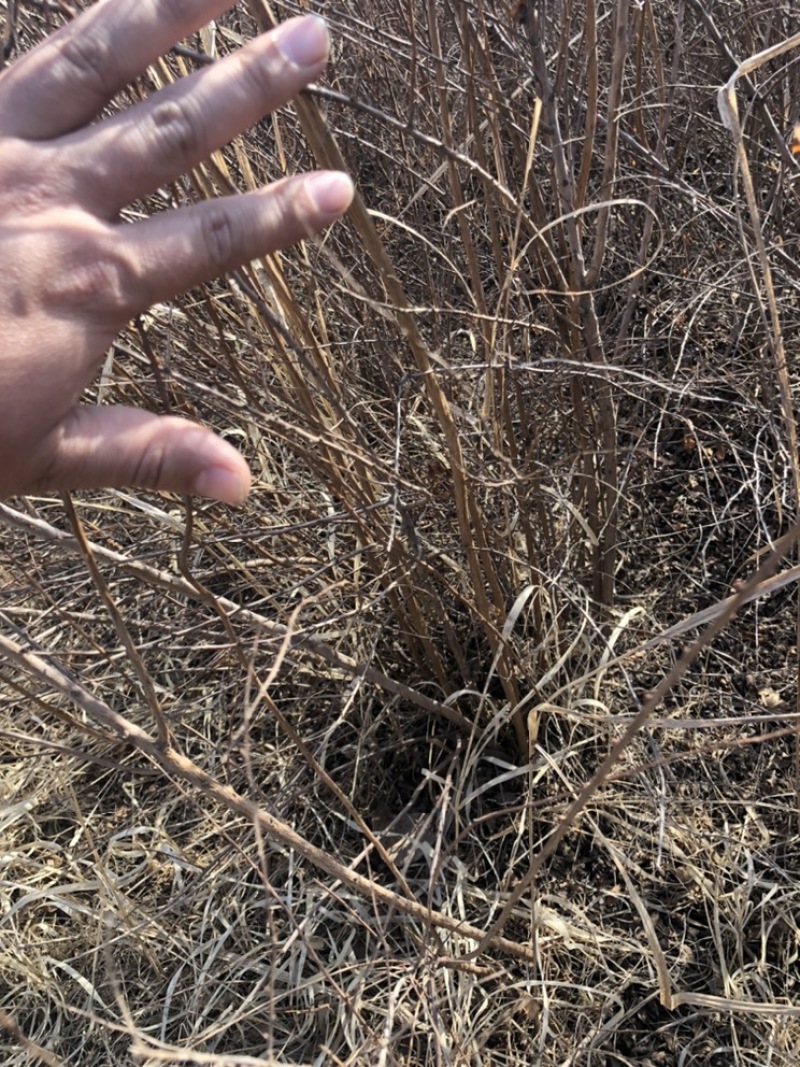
270, 774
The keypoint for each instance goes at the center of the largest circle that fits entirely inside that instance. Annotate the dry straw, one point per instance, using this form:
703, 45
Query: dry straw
406, 762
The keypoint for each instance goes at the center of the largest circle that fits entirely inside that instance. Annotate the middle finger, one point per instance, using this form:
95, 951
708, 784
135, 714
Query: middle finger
130, 155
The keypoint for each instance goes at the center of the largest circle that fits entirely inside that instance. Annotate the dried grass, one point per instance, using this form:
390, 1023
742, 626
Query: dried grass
276, 782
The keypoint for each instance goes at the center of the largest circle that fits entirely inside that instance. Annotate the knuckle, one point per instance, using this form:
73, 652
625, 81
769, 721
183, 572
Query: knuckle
88, 55
150, 467
257, 71
178, 128
98, 278
26, 179
219, 237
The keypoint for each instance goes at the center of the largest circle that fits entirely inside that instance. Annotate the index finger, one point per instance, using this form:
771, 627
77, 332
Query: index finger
64, 82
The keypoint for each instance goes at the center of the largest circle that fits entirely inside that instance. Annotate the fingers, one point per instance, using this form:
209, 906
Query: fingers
68, 79
130, 155
178, 250
99, 274
113, 446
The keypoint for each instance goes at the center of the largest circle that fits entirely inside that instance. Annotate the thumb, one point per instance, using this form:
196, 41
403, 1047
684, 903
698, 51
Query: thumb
97, 447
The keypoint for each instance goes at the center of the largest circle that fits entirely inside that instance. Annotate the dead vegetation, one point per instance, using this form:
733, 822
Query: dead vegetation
276, 782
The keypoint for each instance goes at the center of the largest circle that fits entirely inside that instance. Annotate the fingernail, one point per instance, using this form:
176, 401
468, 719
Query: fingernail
331, 191
219, 483
304, 42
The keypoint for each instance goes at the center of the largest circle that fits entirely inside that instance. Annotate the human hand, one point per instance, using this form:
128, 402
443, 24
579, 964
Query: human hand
72, 274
